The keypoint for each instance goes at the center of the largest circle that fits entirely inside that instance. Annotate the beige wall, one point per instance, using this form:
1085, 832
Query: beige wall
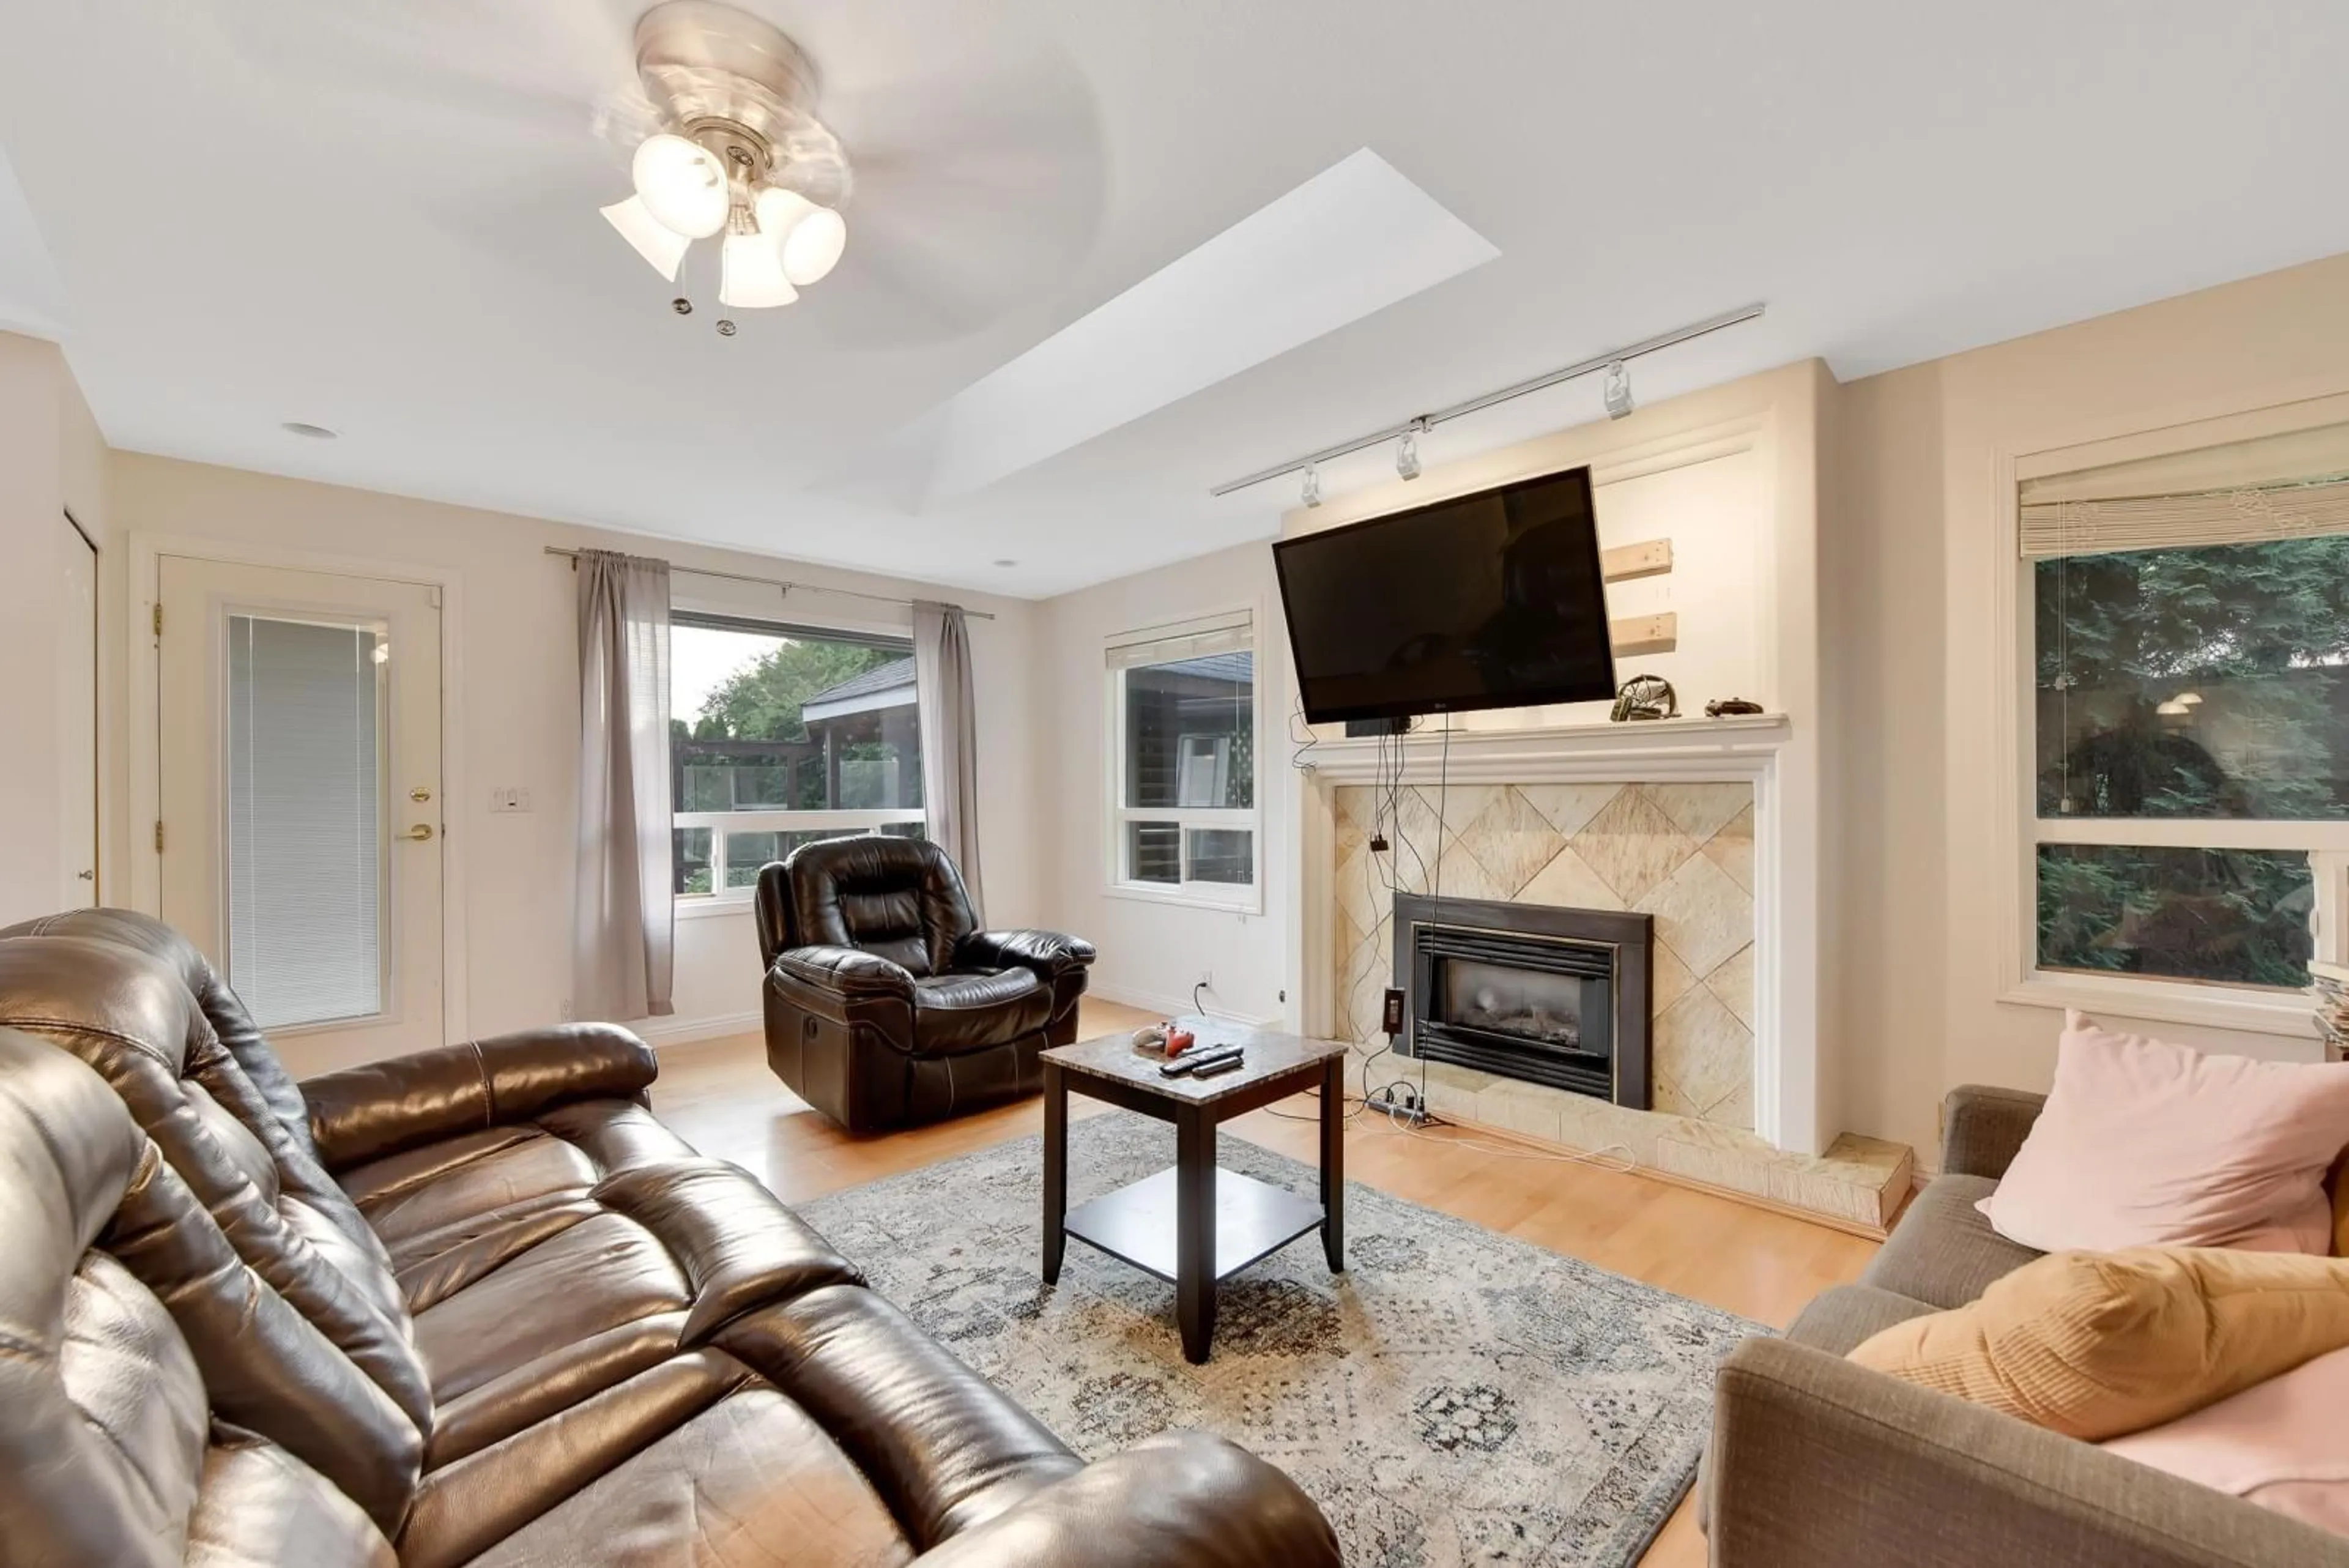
51, 462
1909, 572
518, 680
1151, 951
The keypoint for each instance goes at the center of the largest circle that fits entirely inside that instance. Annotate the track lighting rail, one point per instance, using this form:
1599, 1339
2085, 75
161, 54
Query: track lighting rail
1695, 329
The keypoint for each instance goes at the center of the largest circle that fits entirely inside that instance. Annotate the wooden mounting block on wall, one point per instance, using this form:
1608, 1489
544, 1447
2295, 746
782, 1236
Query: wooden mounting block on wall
1645, 633
1649, 559
1640, 633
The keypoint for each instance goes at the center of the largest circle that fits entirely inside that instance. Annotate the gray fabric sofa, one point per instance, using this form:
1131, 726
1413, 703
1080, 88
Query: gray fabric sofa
1818, 1462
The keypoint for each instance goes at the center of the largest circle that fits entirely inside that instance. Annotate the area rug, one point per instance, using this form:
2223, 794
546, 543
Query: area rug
1456, 1397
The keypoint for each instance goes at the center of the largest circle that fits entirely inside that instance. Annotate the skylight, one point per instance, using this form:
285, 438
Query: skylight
1348, 243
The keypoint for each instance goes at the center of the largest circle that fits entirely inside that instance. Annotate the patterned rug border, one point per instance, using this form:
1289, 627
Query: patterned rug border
1102, 1135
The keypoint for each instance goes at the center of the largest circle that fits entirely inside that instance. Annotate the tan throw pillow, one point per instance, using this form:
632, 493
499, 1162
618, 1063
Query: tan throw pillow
2095, 1344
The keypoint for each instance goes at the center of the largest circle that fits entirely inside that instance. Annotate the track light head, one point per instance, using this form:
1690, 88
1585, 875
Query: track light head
1312, 485
1619, 390
1407, 454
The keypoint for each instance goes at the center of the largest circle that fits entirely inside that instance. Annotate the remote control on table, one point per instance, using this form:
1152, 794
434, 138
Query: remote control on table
1206, 1059
1214, 1064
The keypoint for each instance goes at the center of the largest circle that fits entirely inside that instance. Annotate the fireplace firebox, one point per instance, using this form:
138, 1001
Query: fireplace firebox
1533, 992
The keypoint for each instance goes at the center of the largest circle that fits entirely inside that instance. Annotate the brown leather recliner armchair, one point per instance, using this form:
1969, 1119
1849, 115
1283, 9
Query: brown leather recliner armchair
886, 1005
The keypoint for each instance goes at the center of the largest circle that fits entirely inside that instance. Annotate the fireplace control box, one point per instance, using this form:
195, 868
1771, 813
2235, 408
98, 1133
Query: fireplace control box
1391, 1015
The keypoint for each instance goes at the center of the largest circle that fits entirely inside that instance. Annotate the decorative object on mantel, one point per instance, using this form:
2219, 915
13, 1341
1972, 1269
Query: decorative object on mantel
1721, 705
2330, 984
1645, 697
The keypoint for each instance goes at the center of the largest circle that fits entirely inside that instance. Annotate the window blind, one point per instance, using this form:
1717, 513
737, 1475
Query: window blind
2284, 486
1178, 640
306, 833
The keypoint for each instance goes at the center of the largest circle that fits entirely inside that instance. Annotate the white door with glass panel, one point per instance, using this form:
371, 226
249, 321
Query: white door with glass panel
300, 840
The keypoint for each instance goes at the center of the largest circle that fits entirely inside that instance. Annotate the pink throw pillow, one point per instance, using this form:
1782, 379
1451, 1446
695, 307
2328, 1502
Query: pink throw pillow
2277, 1443
2146, 1144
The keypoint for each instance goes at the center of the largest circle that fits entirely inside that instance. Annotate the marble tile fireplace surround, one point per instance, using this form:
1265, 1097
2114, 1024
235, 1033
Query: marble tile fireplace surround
1673, 821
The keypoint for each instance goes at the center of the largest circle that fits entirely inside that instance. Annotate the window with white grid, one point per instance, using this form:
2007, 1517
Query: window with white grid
1183, 719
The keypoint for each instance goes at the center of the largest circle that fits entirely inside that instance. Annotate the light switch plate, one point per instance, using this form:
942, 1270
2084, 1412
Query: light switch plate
510, 797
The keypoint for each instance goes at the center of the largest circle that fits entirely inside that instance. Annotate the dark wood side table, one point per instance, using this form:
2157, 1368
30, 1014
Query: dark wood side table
1194, 1224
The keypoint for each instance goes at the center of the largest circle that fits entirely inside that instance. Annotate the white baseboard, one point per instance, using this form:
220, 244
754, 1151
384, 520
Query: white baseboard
1170, 1006
659, 1031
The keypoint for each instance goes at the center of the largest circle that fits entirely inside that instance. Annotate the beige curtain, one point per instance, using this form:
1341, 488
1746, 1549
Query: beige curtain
949, 738
623, 938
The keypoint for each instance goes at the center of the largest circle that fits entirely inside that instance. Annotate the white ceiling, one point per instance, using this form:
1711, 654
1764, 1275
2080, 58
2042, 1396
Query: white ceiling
379, 215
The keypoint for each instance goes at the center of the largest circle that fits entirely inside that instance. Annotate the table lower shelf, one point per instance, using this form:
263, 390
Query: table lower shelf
1136, 1223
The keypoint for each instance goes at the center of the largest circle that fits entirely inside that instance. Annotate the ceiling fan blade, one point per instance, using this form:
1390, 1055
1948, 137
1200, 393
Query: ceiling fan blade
544, 64
968, 192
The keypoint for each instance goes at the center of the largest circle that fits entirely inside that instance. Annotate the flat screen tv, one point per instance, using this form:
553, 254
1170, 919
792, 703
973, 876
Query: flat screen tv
1489, 600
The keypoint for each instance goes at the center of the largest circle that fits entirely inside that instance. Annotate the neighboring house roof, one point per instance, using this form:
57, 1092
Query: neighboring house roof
887, 685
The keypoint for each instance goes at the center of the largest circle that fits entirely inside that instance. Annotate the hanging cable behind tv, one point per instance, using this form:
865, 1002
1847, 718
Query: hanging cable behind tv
1400, 1098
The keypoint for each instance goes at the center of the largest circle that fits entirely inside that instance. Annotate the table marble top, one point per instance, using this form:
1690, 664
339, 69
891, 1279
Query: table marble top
1270, 1054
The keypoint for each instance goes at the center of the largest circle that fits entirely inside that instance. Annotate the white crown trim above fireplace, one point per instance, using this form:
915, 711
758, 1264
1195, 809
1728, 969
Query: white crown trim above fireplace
1630, 753
1739, 749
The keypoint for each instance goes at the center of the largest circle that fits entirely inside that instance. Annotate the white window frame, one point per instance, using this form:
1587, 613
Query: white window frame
720, 899
1229, 897
2255, 1008
721, 822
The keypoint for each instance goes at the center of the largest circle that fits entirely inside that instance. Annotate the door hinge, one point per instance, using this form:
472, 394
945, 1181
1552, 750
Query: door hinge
159, 618
159, 836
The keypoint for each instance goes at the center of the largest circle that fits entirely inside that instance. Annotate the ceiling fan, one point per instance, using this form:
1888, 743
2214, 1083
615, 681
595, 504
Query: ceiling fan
738, 151
979, 157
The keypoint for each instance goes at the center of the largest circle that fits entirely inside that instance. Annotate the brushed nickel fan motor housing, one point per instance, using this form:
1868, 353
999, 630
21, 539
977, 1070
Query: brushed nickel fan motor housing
736, 84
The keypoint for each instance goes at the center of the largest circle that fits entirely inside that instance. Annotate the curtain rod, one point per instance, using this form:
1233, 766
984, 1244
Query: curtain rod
1517, 390
786, 585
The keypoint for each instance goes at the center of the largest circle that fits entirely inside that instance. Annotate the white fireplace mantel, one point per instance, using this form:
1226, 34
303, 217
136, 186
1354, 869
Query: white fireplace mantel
1744, 747
1740, 746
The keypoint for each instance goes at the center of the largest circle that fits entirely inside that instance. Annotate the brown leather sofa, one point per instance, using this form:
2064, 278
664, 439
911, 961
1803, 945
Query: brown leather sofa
886, 1006
477, 1305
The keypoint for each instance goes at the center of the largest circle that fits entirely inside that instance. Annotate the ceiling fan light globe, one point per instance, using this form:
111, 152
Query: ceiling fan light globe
750, 273
655, 241
682, 186
813, 247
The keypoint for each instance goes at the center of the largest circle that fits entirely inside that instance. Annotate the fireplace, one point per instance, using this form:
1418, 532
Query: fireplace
1533, 992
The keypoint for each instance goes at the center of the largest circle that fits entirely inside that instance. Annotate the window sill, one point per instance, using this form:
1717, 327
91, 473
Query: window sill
1242, 902
2170, 1002
703, 906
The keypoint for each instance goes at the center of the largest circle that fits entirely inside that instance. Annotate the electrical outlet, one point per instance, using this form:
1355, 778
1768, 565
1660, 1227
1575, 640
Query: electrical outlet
1208, 979
510, 797
1378, 844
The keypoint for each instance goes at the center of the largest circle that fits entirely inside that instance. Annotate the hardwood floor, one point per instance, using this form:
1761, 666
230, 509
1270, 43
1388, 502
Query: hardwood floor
720, 1096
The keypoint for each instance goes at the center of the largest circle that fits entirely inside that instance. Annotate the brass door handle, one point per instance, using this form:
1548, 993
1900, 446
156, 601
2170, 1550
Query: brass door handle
419, 833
